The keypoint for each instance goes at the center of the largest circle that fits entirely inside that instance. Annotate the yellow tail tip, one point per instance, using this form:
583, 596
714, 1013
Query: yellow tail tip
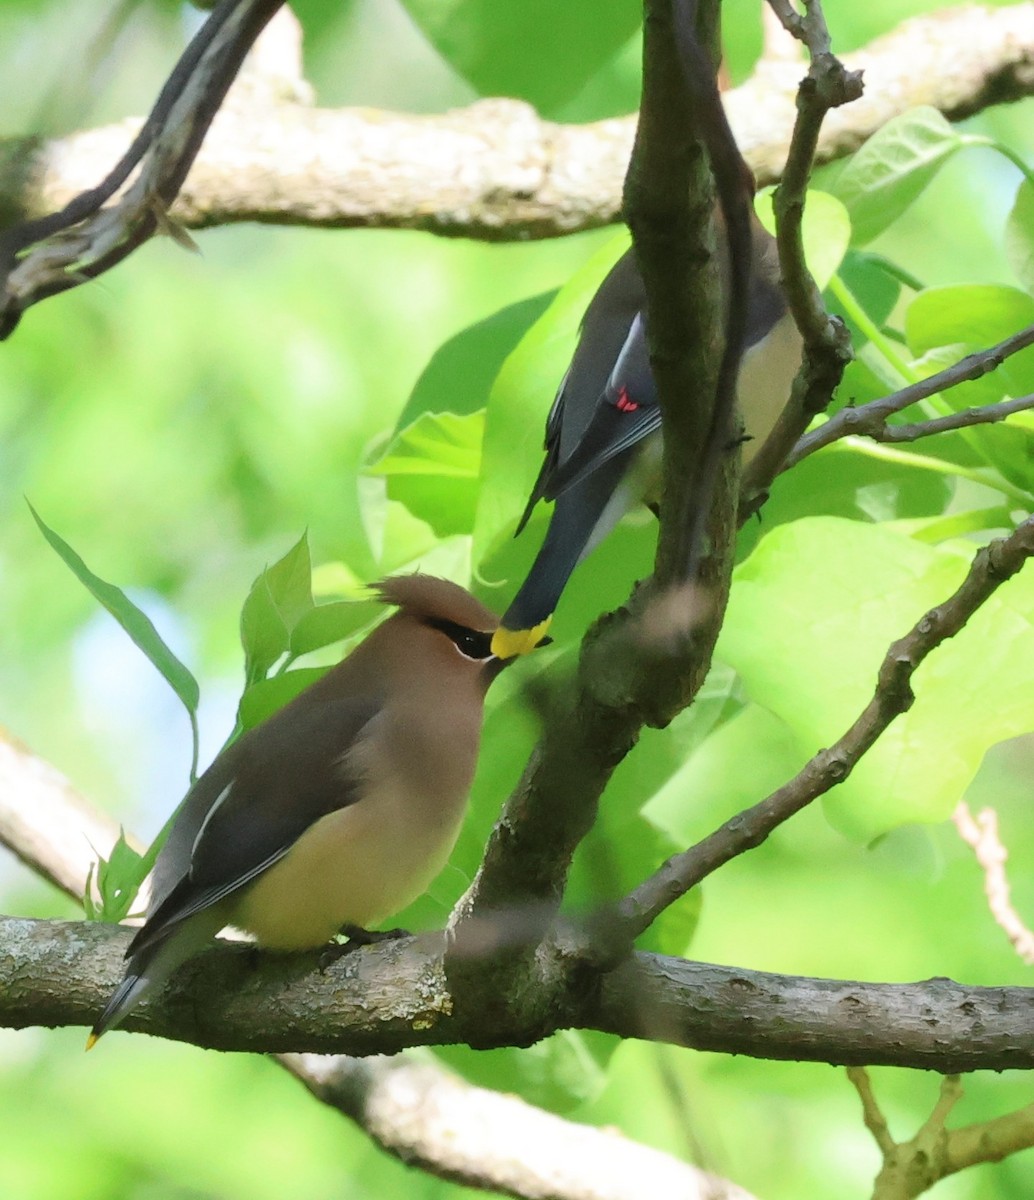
511, 643
92, 1040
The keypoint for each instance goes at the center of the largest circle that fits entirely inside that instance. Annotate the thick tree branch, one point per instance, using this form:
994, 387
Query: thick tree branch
46, 823
992, 566
641, 666
469, 1135
925, 1025
495, 170
417, 1113
381, 999
870, 420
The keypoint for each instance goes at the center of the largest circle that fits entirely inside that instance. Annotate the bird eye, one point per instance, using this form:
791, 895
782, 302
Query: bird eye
471, 643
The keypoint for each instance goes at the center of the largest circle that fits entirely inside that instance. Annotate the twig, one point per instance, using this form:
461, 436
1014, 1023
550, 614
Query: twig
986, 414
909, 1168
872, 1114
989, 1141
982, 835
913, 1167
827, 343
870, 419
44, 257
948, 1096
992, 566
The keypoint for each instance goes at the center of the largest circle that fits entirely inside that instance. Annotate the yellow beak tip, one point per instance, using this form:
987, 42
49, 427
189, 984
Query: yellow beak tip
511, 643
92, 1040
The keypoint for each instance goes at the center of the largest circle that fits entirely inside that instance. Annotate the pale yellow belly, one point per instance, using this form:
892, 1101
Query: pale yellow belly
357, 866
766, 376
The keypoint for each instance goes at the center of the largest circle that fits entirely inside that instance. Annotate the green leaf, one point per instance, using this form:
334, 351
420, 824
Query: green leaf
838, 593
893, 168
263, 699
875, 287
520, 399
136, 623
537, 50
741, 762
942, 325
826, 231
974, 316
459, 376
956, 525
433, 468
842, 481
118, 880
325, 624
1019, 235
404, 543
557, 1073
279, 598
435, 444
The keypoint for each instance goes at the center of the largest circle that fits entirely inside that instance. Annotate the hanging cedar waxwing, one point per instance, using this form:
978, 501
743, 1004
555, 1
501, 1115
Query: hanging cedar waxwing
600, 456
338, 810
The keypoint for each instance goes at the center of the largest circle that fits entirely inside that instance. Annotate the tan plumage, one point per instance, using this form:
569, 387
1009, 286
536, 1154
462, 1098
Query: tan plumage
338, 810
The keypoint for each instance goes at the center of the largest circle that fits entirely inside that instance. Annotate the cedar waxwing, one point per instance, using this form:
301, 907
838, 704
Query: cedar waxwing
338, 810
600, 455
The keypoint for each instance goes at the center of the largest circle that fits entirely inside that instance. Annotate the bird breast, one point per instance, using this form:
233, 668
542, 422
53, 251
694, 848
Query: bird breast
364, 863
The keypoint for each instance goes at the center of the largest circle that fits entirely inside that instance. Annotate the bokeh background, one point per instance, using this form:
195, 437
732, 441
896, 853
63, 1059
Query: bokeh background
181, 421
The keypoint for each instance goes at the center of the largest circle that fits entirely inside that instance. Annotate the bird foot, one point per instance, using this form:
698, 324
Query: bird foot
357, 936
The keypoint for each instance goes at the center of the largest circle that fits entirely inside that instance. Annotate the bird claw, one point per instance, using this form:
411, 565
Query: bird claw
357, 936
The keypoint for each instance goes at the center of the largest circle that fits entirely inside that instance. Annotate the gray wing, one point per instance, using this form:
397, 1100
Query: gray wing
253, 804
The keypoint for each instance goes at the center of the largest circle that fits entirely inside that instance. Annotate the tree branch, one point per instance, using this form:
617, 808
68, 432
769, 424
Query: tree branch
870, 420
495, 170
381, 999
468, 1134
86, 238
643, 664
992, 566
913, 1167
46, 823
417, 1113
828, 86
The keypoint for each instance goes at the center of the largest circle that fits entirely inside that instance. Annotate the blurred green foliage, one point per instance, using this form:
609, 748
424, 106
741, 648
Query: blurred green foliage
183, 420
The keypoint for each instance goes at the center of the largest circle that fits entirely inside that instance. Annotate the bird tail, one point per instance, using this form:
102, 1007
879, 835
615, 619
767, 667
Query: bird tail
152, 965
582, 515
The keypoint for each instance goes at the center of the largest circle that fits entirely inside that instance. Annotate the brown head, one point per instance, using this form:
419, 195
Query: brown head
443, 628
429, 598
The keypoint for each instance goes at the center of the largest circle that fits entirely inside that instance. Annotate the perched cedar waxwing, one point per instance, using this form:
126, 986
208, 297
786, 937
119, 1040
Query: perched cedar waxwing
338, 810
600, 456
